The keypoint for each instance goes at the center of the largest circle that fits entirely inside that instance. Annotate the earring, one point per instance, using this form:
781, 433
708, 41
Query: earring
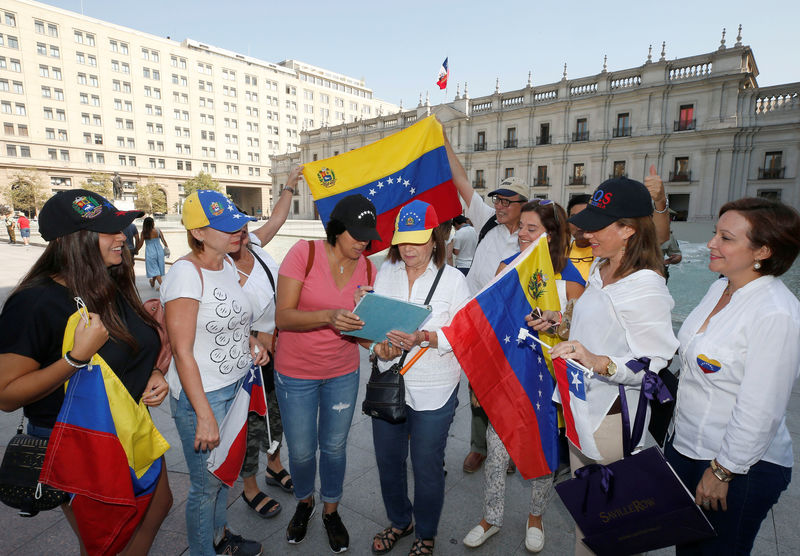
756, 265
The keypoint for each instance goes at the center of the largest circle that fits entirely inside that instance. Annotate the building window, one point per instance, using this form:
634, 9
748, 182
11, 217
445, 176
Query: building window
511, 138
771, 194
773, 168
581, 130
623, 128
64, 155
578, 176
508, 173
541, 176
544, 137
38, 27
619, 170
481, 141
680, 169
52, 154
686, 120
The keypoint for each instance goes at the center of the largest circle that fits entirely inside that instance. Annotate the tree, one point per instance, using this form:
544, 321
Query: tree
26, 191
201, 181
100, 183
150, 197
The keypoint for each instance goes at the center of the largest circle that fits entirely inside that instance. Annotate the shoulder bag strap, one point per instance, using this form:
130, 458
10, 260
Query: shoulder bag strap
266, 269
427, 300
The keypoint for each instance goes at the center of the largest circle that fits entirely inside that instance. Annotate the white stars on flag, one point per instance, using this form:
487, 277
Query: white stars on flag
372, 192
406, 183
390, 181
380, 185
507, 339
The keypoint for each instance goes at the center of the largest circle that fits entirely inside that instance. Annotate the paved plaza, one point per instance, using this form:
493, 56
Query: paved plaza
361, 507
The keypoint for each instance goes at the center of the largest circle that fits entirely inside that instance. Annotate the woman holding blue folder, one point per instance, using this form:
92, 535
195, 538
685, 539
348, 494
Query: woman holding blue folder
416, 257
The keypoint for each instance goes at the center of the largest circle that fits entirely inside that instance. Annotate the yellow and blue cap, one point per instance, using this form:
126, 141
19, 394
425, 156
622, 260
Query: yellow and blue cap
206, 207
415, 223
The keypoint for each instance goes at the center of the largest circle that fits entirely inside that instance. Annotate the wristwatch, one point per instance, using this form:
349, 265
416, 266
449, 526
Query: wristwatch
611, 370
287, 188
427, 341
720, 473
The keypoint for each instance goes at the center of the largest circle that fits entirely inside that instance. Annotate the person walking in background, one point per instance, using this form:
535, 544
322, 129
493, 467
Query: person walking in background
24, 228
740, 358
580, 251
672, 254
153, 240
464, 243
132, 238
8, 219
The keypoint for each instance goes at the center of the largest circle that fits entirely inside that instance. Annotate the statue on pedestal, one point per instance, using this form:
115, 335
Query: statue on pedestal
116, 182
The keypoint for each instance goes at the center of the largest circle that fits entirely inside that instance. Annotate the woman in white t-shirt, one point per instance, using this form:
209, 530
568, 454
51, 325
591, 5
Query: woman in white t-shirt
208, 321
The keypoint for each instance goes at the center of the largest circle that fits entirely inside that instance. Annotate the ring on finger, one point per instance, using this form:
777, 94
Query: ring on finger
573, 348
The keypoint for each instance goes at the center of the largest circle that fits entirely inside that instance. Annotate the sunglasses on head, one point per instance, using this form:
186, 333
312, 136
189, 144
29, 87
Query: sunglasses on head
546, 202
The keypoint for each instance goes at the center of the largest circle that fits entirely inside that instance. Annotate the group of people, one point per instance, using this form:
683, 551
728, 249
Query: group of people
19, 220
231, 310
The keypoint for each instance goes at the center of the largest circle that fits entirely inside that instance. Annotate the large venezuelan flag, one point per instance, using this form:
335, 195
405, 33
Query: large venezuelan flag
512, 380
106, 451
410, 164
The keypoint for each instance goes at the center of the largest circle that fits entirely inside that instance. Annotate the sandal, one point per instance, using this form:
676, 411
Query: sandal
281, 479
421, 547
389, 537
268, 510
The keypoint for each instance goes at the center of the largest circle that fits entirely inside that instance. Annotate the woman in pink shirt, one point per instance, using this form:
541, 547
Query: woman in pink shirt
316, 367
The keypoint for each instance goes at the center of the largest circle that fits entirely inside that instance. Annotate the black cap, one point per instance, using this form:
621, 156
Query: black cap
359, 217
79, 209
614, 199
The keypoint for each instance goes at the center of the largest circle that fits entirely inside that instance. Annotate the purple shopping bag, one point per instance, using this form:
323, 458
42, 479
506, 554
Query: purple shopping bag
637, 503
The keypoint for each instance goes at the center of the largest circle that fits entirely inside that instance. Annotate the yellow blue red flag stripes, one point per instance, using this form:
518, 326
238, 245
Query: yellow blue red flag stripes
410, 164
513, 381
105, 450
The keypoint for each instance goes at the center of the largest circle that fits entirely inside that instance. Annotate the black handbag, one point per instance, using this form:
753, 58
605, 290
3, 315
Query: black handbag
385, 396
19, 476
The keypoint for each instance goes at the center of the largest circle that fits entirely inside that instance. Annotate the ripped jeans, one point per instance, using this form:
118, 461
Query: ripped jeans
317, 413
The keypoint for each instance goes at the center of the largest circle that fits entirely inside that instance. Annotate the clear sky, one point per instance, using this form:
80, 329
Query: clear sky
398, 47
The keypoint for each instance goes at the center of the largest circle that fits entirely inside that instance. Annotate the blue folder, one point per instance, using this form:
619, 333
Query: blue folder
382, 314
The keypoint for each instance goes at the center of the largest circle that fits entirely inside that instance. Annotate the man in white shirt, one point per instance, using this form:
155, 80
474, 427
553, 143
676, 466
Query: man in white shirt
464, 243
494, 245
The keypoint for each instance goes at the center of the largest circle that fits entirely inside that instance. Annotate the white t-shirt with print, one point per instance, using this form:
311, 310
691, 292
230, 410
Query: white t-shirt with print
222, 336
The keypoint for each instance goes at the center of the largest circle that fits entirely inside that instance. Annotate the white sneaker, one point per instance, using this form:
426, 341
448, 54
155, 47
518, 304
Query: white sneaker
534, 539
477, 536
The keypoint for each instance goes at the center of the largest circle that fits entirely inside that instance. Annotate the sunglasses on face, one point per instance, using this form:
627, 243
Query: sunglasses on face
505, 203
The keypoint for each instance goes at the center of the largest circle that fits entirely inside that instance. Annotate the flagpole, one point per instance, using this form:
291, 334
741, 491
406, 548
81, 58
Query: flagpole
523, 334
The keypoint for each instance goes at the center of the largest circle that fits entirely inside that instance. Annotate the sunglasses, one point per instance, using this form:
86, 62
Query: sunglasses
581, 259
505, 203
549, 202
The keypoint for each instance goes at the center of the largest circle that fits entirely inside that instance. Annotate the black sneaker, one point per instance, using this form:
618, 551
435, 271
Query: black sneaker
235, 544
296, 531
338, 538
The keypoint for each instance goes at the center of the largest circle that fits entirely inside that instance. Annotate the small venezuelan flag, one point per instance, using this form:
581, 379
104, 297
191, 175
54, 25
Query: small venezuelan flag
411, 164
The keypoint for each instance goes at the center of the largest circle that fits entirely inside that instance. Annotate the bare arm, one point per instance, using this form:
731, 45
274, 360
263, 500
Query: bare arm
574, 290
655, 186
266, 232
181, 319
163, 240
460, 179
289, 317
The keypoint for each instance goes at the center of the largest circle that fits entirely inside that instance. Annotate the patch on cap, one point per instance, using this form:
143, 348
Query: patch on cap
87, 206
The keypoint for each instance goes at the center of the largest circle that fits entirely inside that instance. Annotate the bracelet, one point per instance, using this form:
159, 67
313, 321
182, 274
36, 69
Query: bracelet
77, 363
288, 188
722, 474
372, 348
666, 206
560, 318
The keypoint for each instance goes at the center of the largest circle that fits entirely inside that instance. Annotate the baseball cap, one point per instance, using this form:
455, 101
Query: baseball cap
614, 199
80, 209
359, 217
206, 207
510, 187
415, 223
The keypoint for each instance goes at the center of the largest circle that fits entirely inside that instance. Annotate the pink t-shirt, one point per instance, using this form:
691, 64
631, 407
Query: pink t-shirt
322, 352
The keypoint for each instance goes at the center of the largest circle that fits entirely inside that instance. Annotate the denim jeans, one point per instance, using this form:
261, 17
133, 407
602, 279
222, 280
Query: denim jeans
426, 431
317, 414
206, 503
750, 497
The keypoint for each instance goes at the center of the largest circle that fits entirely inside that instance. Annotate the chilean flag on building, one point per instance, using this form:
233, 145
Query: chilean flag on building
444, 73
572, 394
225, 461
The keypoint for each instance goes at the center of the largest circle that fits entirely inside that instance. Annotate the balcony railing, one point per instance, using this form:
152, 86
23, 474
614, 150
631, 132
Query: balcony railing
621, 132
685, 125
510, 144
577, 180
480, 147
680, 176
616, 175
541, 182
771, 173
478, 184
580, 136
544, 139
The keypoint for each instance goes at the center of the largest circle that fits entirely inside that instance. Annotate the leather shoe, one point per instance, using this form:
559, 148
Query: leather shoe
512, 467
477, 536
534, 539
473, 462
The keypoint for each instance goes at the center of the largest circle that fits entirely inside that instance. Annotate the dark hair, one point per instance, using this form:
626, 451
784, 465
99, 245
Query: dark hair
774, 225
334, 229
460, 219
554, 220
439, 236
147, 227
642, 250
76, 259
580, 199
